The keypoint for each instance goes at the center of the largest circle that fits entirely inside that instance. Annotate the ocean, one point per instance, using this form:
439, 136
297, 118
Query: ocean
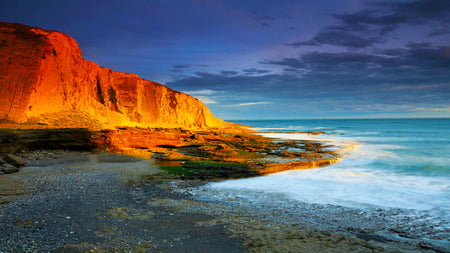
401, 164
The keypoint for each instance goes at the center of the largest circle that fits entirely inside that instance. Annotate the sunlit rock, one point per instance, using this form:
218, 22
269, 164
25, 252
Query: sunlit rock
44, 79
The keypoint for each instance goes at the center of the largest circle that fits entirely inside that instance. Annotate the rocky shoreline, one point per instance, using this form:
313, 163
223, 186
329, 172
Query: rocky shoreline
90, 200
384, 229
100, 202
208, 154
76, 201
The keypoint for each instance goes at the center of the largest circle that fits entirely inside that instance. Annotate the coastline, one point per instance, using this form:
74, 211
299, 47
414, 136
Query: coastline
286, 220
113, 207
99, 202
144, 195
206, 154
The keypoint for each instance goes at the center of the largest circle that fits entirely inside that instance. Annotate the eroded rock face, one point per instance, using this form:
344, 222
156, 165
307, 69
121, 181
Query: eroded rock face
44, 79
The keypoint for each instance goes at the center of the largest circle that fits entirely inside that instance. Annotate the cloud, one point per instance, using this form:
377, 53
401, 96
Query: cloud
289, 62
180, 68
248, 104
203, 95
266, 18
206, 100
183, 66
201, 92
421, 57
336, 35
419, 87
431, 109
369, 26
415, 75
253, 71
444, 30
229, 73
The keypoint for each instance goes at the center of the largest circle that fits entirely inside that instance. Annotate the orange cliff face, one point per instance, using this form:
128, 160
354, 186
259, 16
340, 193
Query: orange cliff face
44, 79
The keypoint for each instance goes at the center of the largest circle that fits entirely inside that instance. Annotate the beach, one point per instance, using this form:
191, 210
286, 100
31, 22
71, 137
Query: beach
99, 202
225, 126
85, 202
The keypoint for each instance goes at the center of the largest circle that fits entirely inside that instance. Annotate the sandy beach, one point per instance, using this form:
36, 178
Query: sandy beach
100, 202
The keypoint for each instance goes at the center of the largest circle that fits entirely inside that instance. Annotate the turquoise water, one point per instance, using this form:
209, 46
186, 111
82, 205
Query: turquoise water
405, 146
392, 163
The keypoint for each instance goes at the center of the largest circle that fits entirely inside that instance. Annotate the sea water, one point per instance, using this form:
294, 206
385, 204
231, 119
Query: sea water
389, 163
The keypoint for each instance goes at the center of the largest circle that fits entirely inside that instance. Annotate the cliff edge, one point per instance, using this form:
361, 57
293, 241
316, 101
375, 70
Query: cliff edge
44, 79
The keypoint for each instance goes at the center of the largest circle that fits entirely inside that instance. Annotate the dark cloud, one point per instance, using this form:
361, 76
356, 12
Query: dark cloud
369, 26
335, 35
416, 60
219, 46
266, 18
419, 58
182, 66
229, 73
289, 62
253, 71
445, 29
417, 11
409, 77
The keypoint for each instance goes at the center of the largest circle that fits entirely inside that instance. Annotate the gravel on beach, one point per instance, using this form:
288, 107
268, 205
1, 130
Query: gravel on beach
100, 202
84, 202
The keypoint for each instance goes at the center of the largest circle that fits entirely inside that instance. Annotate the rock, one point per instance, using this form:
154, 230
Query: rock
41, 64
8, 168
14, 160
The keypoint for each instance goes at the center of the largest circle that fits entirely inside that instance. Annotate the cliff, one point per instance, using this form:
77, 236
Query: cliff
44, 79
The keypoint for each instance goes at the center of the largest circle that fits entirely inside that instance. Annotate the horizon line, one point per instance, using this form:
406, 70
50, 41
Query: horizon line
323, 118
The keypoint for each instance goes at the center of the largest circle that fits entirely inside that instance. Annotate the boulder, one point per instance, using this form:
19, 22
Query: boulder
8, 168
14, 160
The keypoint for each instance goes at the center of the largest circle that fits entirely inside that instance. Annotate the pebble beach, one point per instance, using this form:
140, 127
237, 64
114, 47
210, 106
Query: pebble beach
102, 202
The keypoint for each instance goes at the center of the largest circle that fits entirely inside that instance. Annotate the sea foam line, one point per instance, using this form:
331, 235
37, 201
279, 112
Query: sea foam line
351, 182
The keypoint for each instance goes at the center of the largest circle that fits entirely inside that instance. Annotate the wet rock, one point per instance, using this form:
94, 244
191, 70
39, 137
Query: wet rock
14, 160
372, 237
8, 168
429, 246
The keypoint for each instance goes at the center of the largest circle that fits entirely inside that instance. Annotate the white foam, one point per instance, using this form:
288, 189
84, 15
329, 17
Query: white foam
350, 188
352, 182
306, 137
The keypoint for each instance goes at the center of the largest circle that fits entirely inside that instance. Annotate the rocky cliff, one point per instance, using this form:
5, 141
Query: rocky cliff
44, 79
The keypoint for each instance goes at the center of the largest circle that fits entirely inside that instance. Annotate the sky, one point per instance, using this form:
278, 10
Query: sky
261, 59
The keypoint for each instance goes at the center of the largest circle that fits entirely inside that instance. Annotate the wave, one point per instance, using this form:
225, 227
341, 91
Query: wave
367, 177
350, 188
322, 128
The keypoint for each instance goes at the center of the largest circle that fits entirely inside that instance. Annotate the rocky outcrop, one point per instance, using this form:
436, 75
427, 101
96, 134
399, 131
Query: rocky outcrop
44, 79
20, 140
11, 163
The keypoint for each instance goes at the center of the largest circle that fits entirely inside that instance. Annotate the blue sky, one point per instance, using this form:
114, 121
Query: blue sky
260, 59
